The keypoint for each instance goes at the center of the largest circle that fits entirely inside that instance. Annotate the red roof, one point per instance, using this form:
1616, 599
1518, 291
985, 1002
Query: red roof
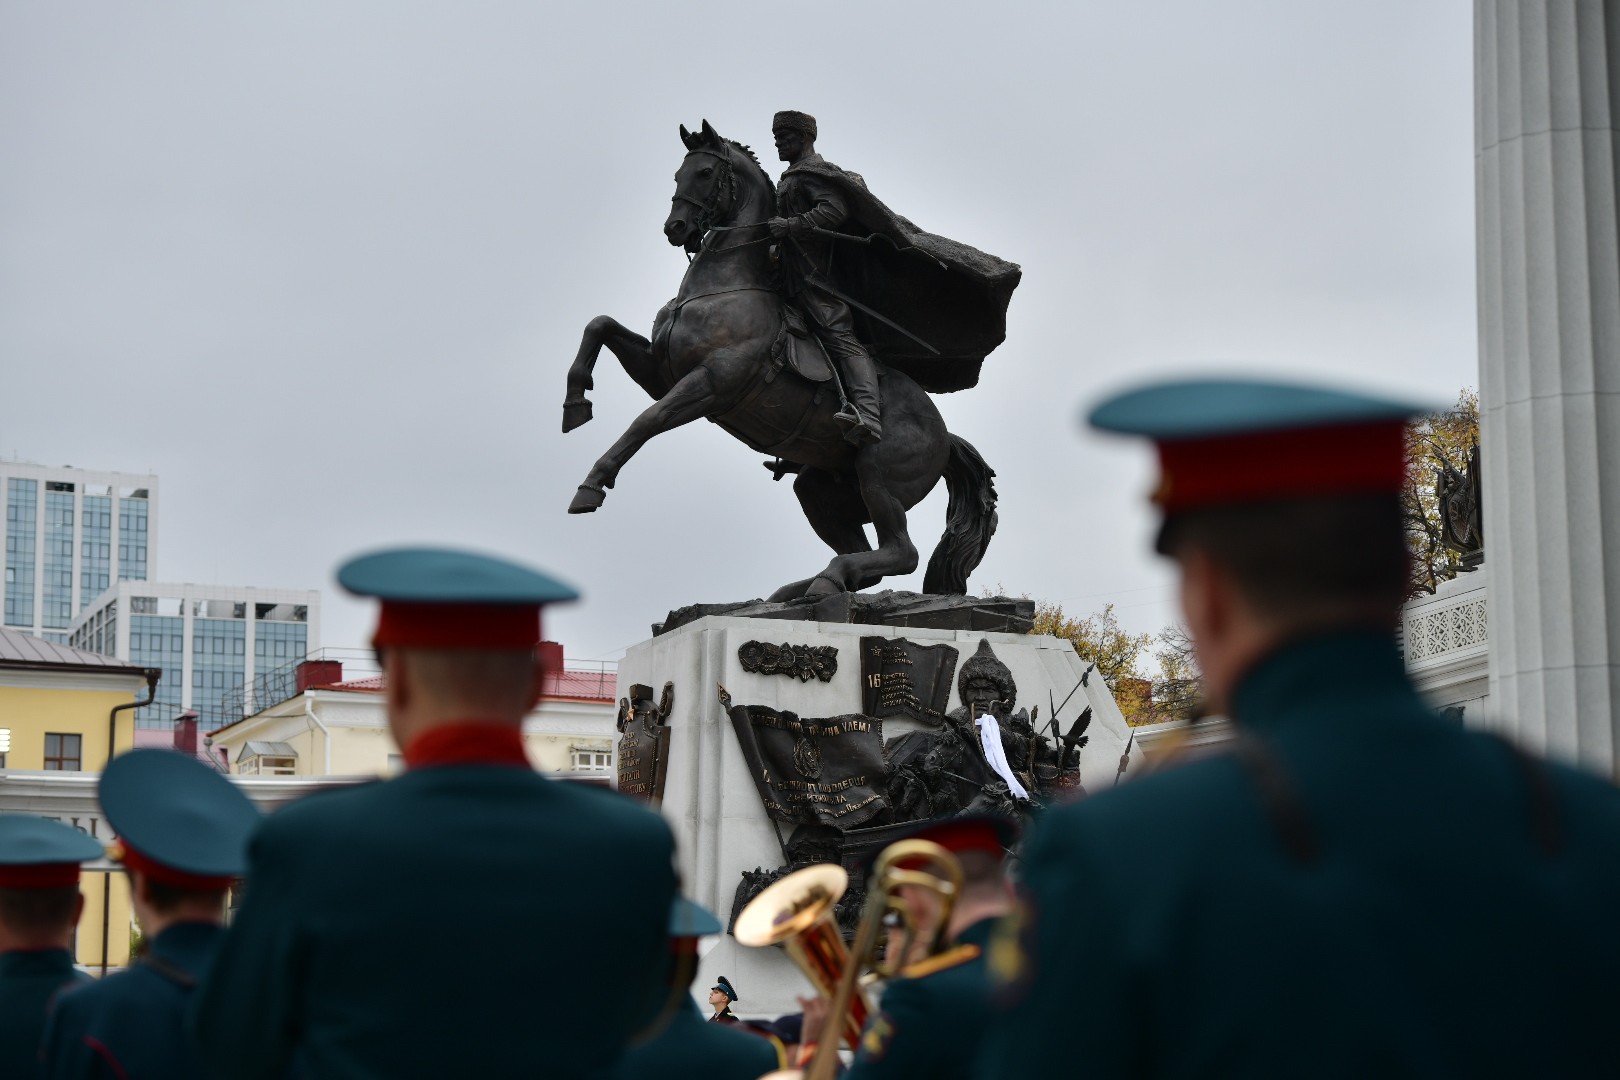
582, 685
371, 684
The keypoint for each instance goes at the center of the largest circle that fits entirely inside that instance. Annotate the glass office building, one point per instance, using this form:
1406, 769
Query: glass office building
211, 641
70, 533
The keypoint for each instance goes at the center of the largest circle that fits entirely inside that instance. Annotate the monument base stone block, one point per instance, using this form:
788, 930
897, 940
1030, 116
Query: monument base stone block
797, 681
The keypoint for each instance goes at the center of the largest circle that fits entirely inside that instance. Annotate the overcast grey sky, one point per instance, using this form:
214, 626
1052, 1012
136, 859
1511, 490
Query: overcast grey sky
321, 266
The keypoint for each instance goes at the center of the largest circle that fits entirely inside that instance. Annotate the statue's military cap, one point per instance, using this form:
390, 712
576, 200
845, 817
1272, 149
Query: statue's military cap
178, 821
37, 853
985, 664
447, 599
1228, 442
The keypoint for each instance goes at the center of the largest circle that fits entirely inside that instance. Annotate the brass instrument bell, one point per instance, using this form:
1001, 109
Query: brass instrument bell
797, 913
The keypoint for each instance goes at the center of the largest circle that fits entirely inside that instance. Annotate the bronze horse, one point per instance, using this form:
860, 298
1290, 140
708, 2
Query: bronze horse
722, 351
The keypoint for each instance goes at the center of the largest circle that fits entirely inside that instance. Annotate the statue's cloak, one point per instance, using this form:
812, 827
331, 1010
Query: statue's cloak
950, 295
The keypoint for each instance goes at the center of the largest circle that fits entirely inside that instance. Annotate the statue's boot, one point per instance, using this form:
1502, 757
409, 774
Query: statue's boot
863, 406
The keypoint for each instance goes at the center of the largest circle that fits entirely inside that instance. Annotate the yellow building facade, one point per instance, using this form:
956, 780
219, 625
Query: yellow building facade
63, 712
330, 726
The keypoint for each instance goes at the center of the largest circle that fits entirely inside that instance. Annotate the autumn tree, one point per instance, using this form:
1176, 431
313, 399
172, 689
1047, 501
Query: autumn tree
1097, 638
1434, 444
1118, 654
1177, 691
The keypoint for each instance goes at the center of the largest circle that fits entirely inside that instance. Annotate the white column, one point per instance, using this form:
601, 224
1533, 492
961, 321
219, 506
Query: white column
1549, 328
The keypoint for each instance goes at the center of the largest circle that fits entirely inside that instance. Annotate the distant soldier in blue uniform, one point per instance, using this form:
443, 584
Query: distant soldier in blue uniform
449, 921
1357, 888
182, 832
688, 1048
932, 1017
40, 905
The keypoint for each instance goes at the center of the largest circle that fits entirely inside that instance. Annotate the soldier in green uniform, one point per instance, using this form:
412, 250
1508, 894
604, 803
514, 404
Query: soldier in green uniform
932, 1017
40, 905
448, 921
1358, 887
182, 836
721, 995
688, 1048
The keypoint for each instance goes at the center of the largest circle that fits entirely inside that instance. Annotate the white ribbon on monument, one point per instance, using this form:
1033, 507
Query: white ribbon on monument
990, 740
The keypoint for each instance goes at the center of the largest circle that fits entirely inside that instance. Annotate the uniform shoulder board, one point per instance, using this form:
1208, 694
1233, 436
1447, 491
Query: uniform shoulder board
941, 962
1011, 949
876, 1038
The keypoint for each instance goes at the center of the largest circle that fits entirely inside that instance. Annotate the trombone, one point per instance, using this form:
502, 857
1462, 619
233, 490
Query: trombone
797, 912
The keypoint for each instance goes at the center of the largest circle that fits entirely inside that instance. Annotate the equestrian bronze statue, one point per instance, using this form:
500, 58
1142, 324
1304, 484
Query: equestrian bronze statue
769, 293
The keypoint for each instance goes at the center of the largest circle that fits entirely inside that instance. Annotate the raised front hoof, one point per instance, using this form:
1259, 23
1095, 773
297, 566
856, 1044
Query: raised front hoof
586, 500
576, 414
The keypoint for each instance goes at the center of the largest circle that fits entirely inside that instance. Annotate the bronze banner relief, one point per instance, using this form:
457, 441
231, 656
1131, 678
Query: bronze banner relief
812, 771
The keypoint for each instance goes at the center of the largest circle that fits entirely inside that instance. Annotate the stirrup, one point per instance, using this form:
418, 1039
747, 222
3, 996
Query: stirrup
861, 434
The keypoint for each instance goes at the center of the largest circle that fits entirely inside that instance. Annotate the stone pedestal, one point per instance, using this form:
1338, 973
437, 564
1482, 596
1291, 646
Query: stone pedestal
1549, 330
711, 801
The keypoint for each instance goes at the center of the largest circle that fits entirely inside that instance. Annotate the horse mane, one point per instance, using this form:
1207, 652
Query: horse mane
745, 151
733, 152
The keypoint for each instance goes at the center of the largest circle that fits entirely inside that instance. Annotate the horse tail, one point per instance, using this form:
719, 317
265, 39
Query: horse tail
970, 520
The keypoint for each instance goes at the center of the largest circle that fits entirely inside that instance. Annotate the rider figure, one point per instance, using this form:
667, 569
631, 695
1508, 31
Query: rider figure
809, 203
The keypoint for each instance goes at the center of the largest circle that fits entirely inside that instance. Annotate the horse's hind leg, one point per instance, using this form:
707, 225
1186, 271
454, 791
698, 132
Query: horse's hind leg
894, 554
634, 353
834, 508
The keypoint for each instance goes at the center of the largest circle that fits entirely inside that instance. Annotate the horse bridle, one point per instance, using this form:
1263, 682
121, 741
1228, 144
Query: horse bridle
708, 212
725, 186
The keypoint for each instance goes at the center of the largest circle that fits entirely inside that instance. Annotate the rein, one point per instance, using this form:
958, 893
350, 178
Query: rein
735, 228
707, 250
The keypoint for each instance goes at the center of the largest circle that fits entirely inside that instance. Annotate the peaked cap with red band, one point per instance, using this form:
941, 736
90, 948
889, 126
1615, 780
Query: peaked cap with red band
688, 919
437, 598
992, 834
37, 853
1229, 442
178, 820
